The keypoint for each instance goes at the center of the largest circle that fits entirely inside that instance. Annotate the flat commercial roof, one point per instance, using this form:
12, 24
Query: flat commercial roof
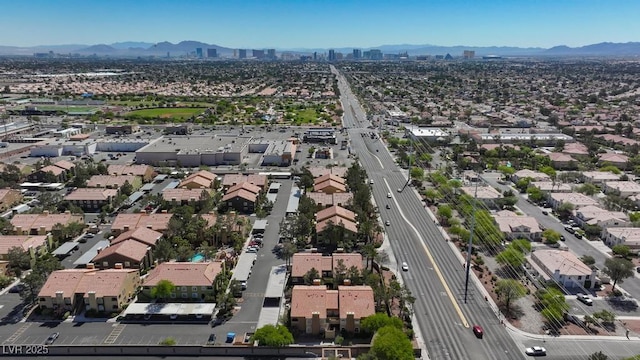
91, 253
260, 225
172, 185
277, 281
65, 248
170, 309
294, 200
242, 269
185, 144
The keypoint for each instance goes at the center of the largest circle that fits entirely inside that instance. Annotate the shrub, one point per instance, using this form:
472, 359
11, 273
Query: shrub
168, 341
339, 340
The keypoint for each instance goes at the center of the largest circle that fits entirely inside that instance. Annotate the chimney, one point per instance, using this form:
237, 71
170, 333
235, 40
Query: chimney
346, 282
149, 226
91, 266
68, 212
118, 266
164, 211
99, 250
45, 213
125, 228
317, 282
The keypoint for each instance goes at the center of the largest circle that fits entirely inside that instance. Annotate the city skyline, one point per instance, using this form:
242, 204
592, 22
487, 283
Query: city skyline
330, 24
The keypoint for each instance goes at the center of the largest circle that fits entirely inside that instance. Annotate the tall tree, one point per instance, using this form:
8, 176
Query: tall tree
618, 270
163, 289
508, 291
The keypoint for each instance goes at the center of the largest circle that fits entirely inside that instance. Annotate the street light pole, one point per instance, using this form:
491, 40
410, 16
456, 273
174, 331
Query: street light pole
471, 231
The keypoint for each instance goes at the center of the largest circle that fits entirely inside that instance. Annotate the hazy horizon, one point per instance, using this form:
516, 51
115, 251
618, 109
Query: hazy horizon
326, 24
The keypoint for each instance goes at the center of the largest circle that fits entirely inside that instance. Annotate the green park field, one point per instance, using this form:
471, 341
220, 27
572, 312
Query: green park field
166, 113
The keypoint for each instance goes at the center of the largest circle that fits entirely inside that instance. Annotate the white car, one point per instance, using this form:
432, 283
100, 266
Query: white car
535, 351
405, 266
389, 195
584, 299
371, 181
387, 223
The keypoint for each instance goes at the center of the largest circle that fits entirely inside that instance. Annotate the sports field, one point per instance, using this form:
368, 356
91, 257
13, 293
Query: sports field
167, 113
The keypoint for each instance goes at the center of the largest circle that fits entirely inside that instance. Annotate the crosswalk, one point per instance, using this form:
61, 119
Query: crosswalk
113, 336
17, 334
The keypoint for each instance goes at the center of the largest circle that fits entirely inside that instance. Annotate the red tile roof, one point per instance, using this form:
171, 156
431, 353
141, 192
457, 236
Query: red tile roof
22, 241
335, 211
142, 235
357, 300
185, 273
130, 249
306, 300
244, 186
301, 263
158, 222
97, 194
247, 195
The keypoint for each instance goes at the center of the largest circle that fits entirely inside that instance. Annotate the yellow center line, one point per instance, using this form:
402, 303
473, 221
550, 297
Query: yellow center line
452, 298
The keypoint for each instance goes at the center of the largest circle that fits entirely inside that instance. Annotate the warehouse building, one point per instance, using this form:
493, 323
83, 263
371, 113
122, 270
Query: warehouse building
193, 151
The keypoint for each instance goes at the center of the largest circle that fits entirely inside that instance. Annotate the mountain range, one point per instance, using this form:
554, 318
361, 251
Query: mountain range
135, 49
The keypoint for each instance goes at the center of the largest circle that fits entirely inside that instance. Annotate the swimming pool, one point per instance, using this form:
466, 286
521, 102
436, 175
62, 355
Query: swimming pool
197, 258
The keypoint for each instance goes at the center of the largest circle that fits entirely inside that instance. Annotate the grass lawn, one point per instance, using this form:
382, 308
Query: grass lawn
306, 116
167, 113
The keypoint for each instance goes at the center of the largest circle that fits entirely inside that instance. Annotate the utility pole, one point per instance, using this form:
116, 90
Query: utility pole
471, 231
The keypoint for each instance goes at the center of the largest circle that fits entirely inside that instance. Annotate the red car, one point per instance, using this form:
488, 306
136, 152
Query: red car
478, 331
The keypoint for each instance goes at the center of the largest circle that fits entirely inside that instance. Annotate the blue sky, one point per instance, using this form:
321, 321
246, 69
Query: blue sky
321, 23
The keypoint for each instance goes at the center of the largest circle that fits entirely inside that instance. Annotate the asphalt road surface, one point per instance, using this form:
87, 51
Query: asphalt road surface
436, 275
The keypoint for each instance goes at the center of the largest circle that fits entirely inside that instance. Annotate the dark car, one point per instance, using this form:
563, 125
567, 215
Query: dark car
16, 289
52, 338
562, 238
569, 229
478, 331
212, 339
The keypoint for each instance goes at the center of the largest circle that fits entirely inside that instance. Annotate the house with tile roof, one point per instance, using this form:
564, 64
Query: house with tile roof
576, 150
620, 161
59, 171
562, 267
242, 197
41, 224
623, 189
125, 222
75, 290
599, 177
526, 173
629, 236
329, 184
595, 215
230, 180
192, 280
577, 199
324, 200
515, 226
302, 262
550, 186
316, 309
562, 161
142, 235
185, 196
145, 172
129, 254
200, 180
114, 181
34, 245
9, 198
92, 199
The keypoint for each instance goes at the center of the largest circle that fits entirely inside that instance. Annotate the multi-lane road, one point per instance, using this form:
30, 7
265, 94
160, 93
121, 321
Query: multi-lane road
436, 275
